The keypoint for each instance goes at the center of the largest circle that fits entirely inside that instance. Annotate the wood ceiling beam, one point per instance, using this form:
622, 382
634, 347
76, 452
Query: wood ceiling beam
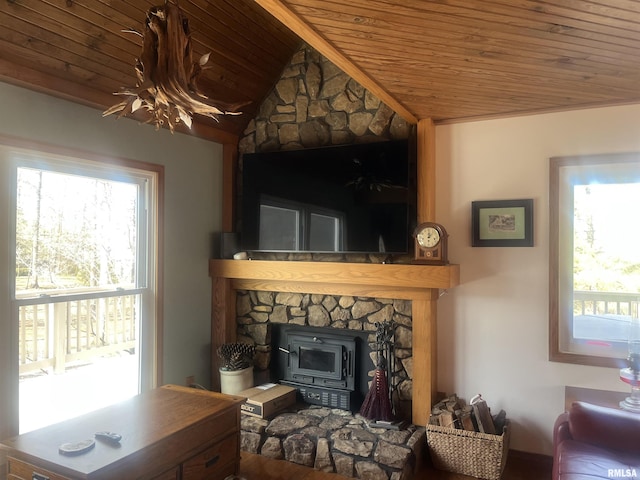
426, 171
283, 13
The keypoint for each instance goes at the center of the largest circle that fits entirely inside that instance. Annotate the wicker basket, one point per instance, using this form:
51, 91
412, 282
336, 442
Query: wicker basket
479, 455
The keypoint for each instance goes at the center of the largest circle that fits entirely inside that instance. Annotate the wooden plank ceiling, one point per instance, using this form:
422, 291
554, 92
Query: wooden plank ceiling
77, 49
457, 60
448, 60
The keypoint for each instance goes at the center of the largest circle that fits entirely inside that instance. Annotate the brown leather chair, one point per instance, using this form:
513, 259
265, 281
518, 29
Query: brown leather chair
592, 442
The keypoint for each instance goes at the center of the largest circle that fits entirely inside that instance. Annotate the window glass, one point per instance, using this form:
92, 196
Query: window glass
324, 233
594, 257
291, 226
74, 231
279, 228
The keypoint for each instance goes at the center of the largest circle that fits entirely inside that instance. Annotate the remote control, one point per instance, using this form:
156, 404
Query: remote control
109, 437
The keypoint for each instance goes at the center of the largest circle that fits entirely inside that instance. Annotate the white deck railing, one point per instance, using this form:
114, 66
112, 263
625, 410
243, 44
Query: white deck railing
603, 303
55, 330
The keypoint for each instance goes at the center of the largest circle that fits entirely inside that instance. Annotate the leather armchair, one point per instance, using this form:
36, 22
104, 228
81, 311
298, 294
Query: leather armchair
592, 442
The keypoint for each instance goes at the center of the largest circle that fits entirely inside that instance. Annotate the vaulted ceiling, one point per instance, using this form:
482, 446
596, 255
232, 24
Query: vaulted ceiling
447, 60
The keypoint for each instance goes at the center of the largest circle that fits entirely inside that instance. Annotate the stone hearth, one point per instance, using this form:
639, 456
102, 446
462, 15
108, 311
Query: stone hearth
336, 441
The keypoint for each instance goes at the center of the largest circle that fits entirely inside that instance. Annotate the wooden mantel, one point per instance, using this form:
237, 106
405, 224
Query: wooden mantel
419, 283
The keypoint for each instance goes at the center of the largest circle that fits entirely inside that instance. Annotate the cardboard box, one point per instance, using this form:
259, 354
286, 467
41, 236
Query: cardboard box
267, 399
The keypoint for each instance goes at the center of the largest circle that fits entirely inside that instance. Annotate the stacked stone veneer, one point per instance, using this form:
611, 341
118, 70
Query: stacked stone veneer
257, 311
315, 104
335, 441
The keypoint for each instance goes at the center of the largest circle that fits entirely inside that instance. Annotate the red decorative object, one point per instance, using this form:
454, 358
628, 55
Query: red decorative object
376, 405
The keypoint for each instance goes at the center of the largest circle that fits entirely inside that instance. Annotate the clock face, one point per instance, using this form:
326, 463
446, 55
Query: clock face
428, 237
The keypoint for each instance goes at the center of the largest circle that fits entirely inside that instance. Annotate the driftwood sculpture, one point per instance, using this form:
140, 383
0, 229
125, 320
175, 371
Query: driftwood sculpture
166, 74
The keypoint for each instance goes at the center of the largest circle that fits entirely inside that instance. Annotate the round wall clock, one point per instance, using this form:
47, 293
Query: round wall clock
430, 244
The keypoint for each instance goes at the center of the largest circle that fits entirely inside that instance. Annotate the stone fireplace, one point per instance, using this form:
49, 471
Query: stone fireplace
418, 285
250, 295
316, 104
329, 434
261, 315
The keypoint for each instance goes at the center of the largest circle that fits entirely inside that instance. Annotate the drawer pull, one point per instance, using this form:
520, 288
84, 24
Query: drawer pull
37, 476
212, 462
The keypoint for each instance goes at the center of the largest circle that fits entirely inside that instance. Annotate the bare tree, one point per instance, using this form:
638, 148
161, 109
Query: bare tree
33, 270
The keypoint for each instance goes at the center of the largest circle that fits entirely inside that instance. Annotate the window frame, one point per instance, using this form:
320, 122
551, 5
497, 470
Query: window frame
559, 213
304, 212
153, 344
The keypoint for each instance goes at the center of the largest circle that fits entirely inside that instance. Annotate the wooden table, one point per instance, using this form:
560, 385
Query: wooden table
604, 398
171, 432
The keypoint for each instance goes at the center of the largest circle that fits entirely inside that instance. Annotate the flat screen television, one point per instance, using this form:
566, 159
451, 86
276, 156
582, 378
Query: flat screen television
347, 199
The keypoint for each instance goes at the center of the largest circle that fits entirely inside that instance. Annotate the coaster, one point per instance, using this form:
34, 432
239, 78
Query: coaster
79, 448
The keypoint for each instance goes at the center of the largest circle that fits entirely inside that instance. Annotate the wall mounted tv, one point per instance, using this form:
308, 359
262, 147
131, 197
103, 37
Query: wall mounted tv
350, 198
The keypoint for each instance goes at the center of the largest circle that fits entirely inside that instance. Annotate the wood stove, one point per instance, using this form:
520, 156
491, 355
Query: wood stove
323, 364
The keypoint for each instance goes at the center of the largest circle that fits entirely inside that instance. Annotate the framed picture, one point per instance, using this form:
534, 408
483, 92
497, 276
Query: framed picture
502, 223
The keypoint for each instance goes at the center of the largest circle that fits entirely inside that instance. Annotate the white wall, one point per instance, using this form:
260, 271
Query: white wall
193, 212
493, 328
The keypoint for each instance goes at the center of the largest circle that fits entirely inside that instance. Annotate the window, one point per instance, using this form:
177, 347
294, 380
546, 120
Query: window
594, 257
292, 226
78, 231
84, 293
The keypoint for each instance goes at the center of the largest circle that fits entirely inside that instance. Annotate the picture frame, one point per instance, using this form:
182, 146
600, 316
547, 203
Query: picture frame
502, 223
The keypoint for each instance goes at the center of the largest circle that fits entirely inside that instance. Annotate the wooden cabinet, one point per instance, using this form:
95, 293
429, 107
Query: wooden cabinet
216, 461
173, 474
170, 433
18, 470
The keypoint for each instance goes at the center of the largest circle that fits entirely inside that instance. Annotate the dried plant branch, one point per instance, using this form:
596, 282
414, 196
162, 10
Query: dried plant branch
236, 356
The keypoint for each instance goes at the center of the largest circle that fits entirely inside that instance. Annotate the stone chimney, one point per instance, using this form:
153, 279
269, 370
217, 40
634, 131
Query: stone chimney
316, 104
